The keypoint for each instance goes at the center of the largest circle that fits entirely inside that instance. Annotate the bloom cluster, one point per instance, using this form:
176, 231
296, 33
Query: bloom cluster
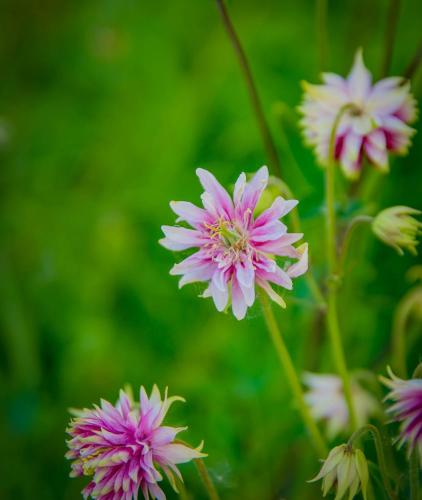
374, 122
236, 249
407, 409
123, 447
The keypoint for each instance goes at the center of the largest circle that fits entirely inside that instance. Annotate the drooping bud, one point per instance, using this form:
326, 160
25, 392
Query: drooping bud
396, 227
346, 469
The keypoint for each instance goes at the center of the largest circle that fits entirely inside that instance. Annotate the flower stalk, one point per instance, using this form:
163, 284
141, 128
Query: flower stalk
292, 377
264, 128
331, 249
206, 479
379, 448
356, 222
414, 476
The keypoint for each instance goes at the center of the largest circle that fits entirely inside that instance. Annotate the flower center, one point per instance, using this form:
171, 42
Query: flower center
229, 238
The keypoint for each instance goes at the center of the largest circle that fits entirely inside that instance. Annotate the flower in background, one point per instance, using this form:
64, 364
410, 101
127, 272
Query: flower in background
123, 447
374, 123
345, 468
236, 250
327, 402
407, 409
396, 227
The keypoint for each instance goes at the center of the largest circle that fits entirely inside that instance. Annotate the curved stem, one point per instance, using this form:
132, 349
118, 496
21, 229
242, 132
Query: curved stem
379, 447
321, 29
390, 35
292, 377
331, 249
413, 65
252, 89
398, 340
350, 230
414, 476
206, 479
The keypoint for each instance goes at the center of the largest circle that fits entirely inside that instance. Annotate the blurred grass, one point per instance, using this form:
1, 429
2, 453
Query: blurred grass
106, 109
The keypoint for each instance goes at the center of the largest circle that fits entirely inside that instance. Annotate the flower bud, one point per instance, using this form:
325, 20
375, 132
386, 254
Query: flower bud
396, 227
347, 469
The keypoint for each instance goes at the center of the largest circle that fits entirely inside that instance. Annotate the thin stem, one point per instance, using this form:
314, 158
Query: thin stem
413, 66
390, 36
206, 479
321, 29
414, 476
379, 447
411, 300
350, 230
252, 90
331, 248
292, 377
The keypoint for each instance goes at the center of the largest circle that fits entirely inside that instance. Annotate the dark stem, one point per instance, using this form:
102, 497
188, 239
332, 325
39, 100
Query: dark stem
390, 35
414, 476
413, 66
321, 30
264, 129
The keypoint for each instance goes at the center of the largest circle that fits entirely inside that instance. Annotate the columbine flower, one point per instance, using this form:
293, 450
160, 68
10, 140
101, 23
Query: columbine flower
327, 402
347, 469
124, 446
396, 227
374, 124
236, 249
407, 409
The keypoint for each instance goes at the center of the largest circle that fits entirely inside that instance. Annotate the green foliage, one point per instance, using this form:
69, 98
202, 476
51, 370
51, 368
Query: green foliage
106, 108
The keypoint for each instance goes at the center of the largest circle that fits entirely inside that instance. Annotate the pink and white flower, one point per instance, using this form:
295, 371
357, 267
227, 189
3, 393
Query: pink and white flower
375, 124
407, 409
123, 447
327, 402
236, 249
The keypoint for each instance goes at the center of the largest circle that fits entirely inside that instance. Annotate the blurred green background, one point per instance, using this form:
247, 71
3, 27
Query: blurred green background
106, 109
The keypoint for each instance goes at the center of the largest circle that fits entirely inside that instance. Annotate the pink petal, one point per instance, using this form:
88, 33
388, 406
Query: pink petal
222, 201
181, 238
269, 232
245, 275
278, 246
253, 191
279, 277
239, 188
190, 213
239, 306
176, 453
359, 80
301, 266
278, 209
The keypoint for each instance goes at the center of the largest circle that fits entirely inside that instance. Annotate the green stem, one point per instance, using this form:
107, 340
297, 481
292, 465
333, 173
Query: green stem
252, 89
390, 35
206, 479
410, 301
292, 377
321, 29
351, 228
414, 475
331, 249
379, 447
413, 65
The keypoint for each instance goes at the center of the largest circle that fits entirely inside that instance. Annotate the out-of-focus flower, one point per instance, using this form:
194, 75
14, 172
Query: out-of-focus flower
396, 227
407, 409
347, 469
236, 249
123, 447
374, 123
327, 402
